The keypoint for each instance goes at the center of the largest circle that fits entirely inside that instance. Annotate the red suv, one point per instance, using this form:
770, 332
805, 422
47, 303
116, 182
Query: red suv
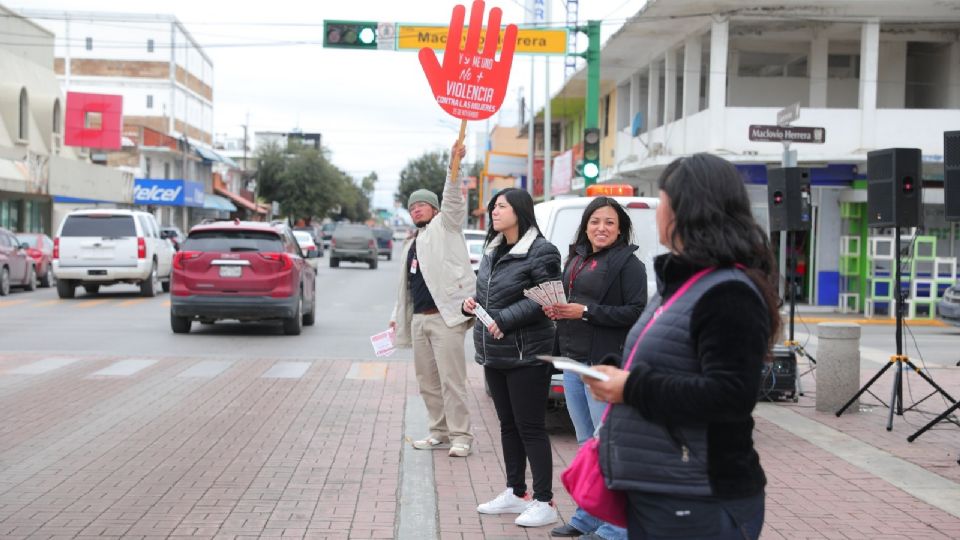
246, 271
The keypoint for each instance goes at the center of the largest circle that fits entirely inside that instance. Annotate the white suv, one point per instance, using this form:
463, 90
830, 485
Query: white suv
108, 246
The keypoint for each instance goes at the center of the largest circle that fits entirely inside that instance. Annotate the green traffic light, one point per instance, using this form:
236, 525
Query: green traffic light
350, 34
367, 36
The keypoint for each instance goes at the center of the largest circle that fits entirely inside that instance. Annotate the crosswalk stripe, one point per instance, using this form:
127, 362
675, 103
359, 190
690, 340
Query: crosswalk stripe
286, 370
206, 369
123, 368
42, 366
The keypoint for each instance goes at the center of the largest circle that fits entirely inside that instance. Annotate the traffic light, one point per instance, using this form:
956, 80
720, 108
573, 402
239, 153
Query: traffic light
350, 34
591, 155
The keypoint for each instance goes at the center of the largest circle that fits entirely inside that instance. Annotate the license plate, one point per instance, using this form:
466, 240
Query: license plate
231, 271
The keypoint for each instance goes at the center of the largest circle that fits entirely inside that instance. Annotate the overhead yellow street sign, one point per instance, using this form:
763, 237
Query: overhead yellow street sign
529, 40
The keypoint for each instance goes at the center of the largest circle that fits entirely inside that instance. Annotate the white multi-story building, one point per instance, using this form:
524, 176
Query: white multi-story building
687, 76
163, 74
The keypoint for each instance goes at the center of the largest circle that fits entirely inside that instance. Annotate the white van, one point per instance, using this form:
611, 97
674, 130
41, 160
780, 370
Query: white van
558, 221
100, 247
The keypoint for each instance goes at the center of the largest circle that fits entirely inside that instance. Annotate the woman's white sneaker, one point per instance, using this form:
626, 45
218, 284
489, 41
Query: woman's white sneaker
505, 503
538, 514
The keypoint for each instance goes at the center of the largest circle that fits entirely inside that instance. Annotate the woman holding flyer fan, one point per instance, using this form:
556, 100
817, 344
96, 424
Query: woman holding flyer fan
606, 287
517, 257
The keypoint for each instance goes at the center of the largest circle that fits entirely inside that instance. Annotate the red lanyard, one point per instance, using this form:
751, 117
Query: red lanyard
576, 271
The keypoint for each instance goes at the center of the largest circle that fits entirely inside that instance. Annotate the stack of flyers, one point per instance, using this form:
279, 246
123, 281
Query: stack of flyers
547, 293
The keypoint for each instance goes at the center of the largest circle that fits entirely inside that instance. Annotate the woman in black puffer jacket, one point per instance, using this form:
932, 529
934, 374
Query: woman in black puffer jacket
517, 257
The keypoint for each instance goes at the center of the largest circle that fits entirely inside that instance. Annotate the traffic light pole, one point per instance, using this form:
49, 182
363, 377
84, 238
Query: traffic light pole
592, 55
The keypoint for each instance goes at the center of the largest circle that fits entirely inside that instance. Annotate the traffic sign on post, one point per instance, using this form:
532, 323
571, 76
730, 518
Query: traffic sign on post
788, 114
790, 134
528, 40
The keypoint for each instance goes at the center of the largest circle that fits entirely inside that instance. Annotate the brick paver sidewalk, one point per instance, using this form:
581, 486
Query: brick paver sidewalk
185, 449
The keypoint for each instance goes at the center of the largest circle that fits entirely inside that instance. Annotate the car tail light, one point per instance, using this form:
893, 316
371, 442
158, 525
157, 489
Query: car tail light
333, 243
372, 244
285, 262
638, 205
390, 244
557, 389
35, 253
183, 256
141, 248
56, 248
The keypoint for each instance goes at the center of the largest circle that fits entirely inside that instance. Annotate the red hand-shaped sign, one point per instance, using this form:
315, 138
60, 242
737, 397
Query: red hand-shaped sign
471, 85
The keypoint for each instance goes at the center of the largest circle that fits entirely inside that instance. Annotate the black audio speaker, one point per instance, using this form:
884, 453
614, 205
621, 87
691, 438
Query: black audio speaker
951, 175
894, 180
778, 377
788, 198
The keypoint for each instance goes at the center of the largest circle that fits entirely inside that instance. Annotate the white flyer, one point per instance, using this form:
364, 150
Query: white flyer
568, 364
482, 314
384, 343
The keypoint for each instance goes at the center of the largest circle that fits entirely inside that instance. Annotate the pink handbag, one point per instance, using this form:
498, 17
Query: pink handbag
583, 478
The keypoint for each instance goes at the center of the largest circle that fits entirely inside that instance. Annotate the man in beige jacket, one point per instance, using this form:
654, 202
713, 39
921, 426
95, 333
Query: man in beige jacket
435, 279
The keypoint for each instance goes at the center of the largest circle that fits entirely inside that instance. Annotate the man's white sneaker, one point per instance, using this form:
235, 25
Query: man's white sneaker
538, 514
504, 503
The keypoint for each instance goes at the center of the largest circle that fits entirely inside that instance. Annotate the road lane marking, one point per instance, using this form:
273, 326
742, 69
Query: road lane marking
286, 370
368, 371
206, 369
166, 303
131, 302
9, 303
123, 368
43, 366
49, 303
90, 303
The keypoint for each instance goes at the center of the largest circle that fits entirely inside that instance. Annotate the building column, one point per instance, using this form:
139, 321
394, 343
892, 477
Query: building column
670, 86
634, 97
719, 43
653, 96
692, 58
953, 76
869, 66
819, 52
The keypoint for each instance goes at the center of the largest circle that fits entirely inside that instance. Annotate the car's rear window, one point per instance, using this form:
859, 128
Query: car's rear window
29, 239
105, 226
232, 241
353, 230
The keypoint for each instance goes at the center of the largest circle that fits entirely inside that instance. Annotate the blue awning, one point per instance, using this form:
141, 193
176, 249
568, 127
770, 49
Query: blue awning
207, 155
216, 202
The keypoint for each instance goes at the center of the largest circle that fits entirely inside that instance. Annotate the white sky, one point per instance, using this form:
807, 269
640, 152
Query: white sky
374, 108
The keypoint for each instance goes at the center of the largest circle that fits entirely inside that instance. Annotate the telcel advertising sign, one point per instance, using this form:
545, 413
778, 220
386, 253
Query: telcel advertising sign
147, 191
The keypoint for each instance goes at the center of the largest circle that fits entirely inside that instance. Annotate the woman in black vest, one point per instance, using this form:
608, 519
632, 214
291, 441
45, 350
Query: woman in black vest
679, 440
606, 288
517, 257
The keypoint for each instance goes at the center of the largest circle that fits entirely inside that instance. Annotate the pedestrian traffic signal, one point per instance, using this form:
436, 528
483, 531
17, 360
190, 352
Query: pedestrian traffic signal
591, 155
350, 34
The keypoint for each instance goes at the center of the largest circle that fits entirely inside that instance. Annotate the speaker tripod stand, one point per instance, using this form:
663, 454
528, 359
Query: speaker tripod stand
791, 291
900, 360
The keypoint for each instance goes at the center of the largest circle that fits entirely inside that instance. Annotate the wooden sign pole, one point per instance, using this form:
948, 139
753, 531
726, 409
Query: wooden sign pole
455, 162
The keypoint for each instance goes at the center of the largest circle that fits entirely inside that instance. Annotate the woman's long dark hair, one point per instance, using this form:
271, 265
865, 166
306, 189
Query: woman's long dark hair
522, 204
626, 226
713, 224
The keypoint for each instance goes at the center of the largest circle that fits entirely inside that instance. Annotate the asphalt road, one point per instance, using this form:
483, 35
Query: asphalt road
353, 303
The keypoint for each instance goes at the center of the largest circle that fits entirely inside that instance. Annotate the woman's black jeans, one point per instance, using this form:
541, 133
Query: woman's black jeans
520, 397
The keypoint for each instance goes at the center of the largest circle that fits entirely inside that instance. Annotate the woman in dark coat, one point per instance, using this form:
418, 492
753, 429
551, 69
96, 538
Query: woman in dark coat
517, 257
679, 439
